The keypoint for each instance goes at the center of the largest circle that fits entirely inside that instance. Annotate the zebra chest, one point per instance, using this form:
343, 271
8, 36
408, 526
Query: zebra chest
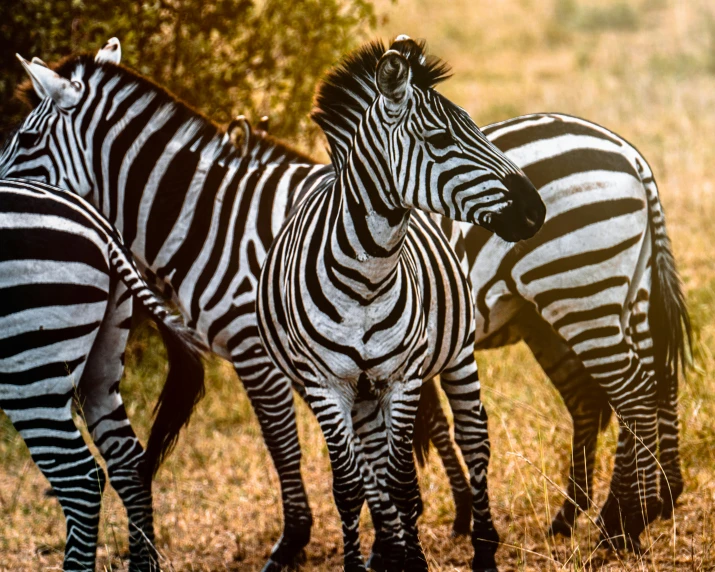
385, 341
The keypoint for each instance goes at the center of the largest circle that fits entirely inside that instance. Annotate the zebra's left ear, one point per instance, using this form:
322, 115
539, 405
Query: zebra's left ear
64, 93
393, 77
111, 52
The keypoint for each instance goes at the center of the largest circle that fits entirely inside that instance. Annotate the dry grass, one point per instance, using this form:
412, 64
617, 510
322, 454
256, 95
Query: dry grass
644, 68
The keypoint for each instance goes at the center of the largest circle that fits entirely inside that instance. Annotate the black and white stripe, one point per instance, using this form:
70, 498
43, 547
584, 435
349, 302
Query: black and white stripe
66, 289
197, 215
597, 298
359, 300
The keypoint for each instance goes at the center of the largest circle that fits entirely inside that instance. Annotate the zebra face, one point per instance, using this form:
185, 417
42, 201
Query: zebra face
441, 162
46, 147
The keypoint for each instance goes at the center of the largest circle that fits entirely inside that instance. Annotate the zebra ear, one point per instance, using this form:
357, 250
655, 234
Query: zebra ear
393, 76
239, 133
111, 52
64, 93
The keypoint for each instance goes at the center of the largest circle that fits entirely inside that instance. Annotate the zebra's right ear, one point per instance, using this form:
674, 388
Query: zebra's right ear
111, 52
239, 132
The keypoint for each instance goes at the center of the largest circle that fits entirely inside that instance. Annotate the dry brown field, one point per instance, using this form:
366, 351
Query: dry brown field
643, 68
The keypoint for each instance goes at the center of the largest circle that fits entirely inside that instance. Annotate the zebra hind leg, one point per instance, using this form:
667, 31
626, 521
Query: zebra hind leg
587, 404
103, 410
470, 431
59, 451
671, 477
432, 426
633, 500
271, 397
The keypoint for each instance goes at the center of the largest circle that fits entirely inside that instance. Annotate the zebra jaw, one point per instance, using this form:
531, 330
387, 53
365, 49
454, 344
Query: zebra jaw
64, 93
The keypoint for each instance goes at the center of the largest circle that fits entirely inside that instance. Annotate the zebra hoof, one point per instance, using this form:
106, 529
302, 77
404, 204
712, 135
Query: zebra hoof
375, 563
560, 528
276, 566
484, 562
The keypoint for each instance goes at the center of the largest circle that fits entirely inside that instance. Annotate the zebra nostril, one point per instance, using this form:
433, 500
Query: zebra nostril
487, 218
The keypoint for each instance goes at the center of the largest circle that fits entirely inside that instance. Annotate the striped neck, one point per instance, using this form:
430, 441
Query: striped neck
370, 228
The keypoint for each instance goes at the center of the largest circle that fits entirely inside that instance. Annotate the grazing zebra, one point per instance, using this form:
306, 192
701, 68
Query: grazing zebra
359, 301
66, 288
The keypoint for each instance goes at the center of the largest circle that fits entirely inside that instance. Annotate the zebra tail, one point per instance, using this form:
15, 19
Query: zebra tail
429, 398
668, 312
184, 386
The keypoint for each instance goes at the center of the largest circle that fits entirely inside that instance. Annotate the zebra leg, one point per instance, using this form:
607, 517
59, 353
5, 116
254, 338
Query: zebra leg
329, 407
369, 425
671, 478
431, 415
400, 409
103, 409
271, 397
461, 384
59, 451
633, 501
585, 401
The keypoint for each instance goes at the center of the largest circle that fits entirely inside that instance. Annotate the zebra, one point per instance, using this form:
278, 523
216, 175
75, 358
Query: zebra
597, 285
66, 287
27, 152
359, 301
197, 215
570, 158
91, 147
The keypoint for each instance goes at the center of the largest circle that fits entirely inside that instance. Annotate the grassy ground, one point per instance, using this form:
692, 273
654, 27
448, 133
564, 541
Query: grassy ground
644, 68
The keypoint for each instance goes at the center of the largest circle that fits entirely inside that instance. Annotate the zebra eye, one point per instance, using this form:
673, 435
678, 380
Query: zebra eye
28, 138
440, 140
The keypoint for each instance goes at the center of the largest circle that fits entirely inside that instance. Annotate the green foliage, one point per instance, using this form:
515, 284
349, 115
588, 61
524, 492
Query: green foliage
223, 57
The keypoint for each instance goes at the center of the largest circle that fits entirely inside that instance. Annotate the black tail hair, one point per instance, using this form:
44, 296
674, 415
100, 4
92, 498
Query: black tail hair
182, 391
668, 313
429, 399
184, 385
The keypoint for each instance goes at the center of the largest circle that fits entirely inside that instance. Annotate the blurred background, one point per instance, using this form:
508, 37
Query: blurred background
642, 68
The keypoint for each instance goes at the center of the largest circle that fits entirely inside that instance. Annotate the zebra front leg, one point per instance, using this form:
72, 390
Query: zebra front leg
59, 451
332, 407
271, 397
400, 409
461, 384
101, 405
369, 425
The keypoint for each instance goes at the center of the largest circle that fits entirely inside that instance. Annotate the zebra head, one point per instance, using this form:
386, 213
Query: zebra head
380, 108
48, 145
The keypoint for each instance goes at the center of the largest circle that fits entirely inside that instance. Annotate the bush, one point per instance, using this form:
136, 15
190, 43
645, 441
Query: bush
223, 57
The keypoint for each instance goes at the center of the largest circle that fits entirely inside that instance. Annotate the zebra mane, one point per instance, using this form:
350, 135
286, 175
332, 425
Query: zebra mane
204, 127
348, 89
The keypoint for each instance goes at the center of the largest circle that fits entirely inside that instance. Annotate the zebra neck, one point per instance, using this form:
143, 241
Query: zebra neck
368, 234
